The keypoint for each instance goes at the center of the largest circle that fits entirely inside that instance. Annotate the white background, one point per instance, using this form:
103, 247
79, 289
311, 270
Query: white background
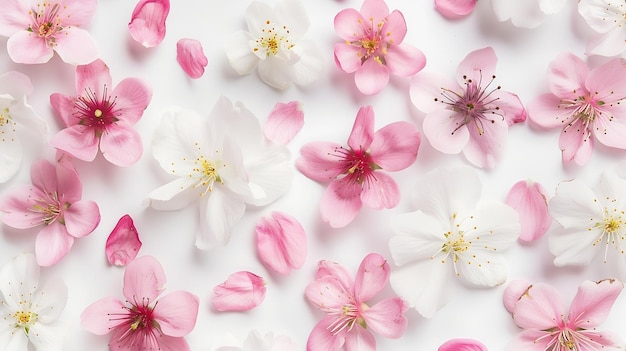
330, 106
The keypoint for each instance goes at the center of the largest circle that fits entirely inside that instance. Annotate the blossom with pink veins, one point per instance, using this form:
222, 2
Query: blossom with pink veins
145, 321
587, 105
101, 117
52, 202
357, 173
608, 19
527, 13
350, 319
539, 310
38, 28
281, 242
471, 115
373, 48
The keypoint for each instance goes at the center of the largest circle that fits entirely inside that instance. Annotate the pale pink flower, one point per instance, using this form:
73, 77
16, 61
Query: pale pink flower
541, 313
52, 202
281, 242
38, 28
242, 291
455, 8
462, 345
607, 18
101, 116
147, 23
284, 122
587, 105
123, 243
190, 57
373, 48
530, 201
145, 321
470, 115
357, 173
350, 319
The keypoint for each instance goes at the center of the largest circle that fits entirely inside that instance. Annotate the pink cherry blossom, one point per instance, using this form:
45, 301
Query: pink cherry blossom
123, 243
147, 23
350, 319
281, 242
242, 291
587, 105
455, 8
357, 173
145, 321
190, 57
462, 345
471, 115
52, 202
373, 48
36, 29
540, 312
530, 201
284, 122
101, 116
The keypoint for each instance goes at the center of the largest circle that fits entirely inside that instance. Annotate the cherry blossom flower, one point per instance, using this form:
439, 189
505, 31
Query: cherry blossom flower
266, 342
585, 104
462, 345
530, 201
451, 232
17, 118
541, 313
98, 117
350, 319
373, 48
145, 321
281, 242
274, 43
29, 309
37, 28
190, 57
242, 291
471, 115
455, 8
526, 14
284, 122
52, 202
123, 243
147, 23
224, 161
357, 173
607, 18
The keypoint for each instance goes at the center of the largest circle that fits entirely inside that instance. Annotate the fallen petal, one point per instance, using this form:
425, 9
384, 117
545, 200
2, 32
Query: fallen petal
242, 291
455, 8
462, 345
147, 24
190, 57
284, 122
123, 243
530, 201
281, 242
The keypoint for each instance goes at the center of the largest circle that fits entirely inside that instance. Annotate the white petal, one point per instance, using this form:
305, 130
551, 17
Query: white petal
10, 151
49, 301
424, 285
241, 57
269, 175
482, 268
310, 65
276, 72
575, 206
574, 247
13, 338
50, 337
19, 277
15, 84
524, 14
292, 14
495, 227
551, 6
218, 215
418, 237
601, 15
174, 195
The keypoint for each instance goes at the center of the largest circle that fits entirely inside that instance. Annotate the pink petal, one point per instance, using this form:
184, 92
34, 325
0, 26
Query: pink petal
478, 65
404, 60
348, 57
576, 144
395, 146
43, 175
387, 317
531, 340
318, 161
166, 343
147, 24
593, 302
462, 345
95, 317
281, 242
79, 141
284, 122
79, 13
360, 339
13, 16
23, 47
334, 269
394, 28
380, 191
16, 205
69, 186
510, 106
540, 307
371, 278
121, 145
567, 75
529, 199
340, 203
321, 339
362, 132
242, 291
132, 97
190, 57
455, 8
374, 11
76, 46
123, 243
176, 313
372, 77
329, 294
513, 292
94, 77
81, 218
545, 112
610, 131
441, 128
350, 25
607, 82
144, 278
52, 244
486, 149
63, 106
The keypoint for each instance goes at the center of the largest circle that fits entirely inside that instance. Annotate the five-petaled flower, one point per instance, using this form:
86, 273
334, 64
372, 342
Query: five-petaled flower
350, 319
373, 47
357, 173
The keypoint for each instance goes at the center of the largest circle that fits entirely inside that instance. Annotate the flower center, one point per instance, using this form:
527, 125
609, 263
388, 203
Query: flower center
46, 22
207, 171
372, 42
358, 165
137, 324
25, 320
51, 208
455, 244
96, 112
5, 117
273, 40
611, 227
347, 317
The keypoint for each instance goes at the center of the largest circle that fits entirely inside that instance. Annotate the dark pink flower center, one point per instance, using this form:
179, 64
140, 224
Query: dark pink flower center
357, 165
96, 112
46, 22
138, 329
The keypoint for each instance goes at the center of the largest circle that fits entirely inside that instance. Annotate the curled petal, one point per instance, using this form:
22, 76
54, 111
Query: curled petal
123, 243
281, 242
462, 345
147, 24
284, 122
455, 8
513, 293
190, 57
529, 199
242, 291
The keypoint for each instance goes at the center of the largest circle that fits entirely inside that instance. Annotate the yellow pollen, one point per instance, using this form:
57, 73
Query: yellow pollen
97, 113
611, 225
25, 320
208, 169
4, 117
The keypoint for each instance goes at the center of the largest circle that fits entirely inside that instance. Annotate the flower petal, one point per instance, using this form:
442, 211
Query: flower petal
218, 215
94, 317
16, 205
284, 122
372, 77
321, 339
309, 65
362, 133
360, 339
387, 317
380, 191
13, 17
23, 47
147, 24
513, 292
593, 302
408, 282
190, 56
176, 313
350, 25
275, 72
477, 65
546, 112
418, 237
78, 141
455, 8
462, 345
567, 75
121, 145
123, 243
426, 91
395, 146
82, 218
281, 242
539, 308
132, 97
530, 201
374, 10
336, 270
371, 278
242, 291
241, 58
23, 269
340, 203
486, 147
404, 60
144, 279
328, 293
441, 128
52, 244
174, 195
317, 161
49, 336
76, 46
348, 57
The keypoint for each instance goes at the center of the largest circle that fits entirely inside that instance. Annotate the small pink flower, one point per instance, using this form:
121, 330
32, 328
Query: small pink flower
190, 57
350, 319
38, 28
53, 202
284, 122
530, 201
455, 8
144, 322
539, 311
123, 243
281, 242
587, 105
147, 23
462, 345
101, 116
372, 47
242, 291
357, 173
